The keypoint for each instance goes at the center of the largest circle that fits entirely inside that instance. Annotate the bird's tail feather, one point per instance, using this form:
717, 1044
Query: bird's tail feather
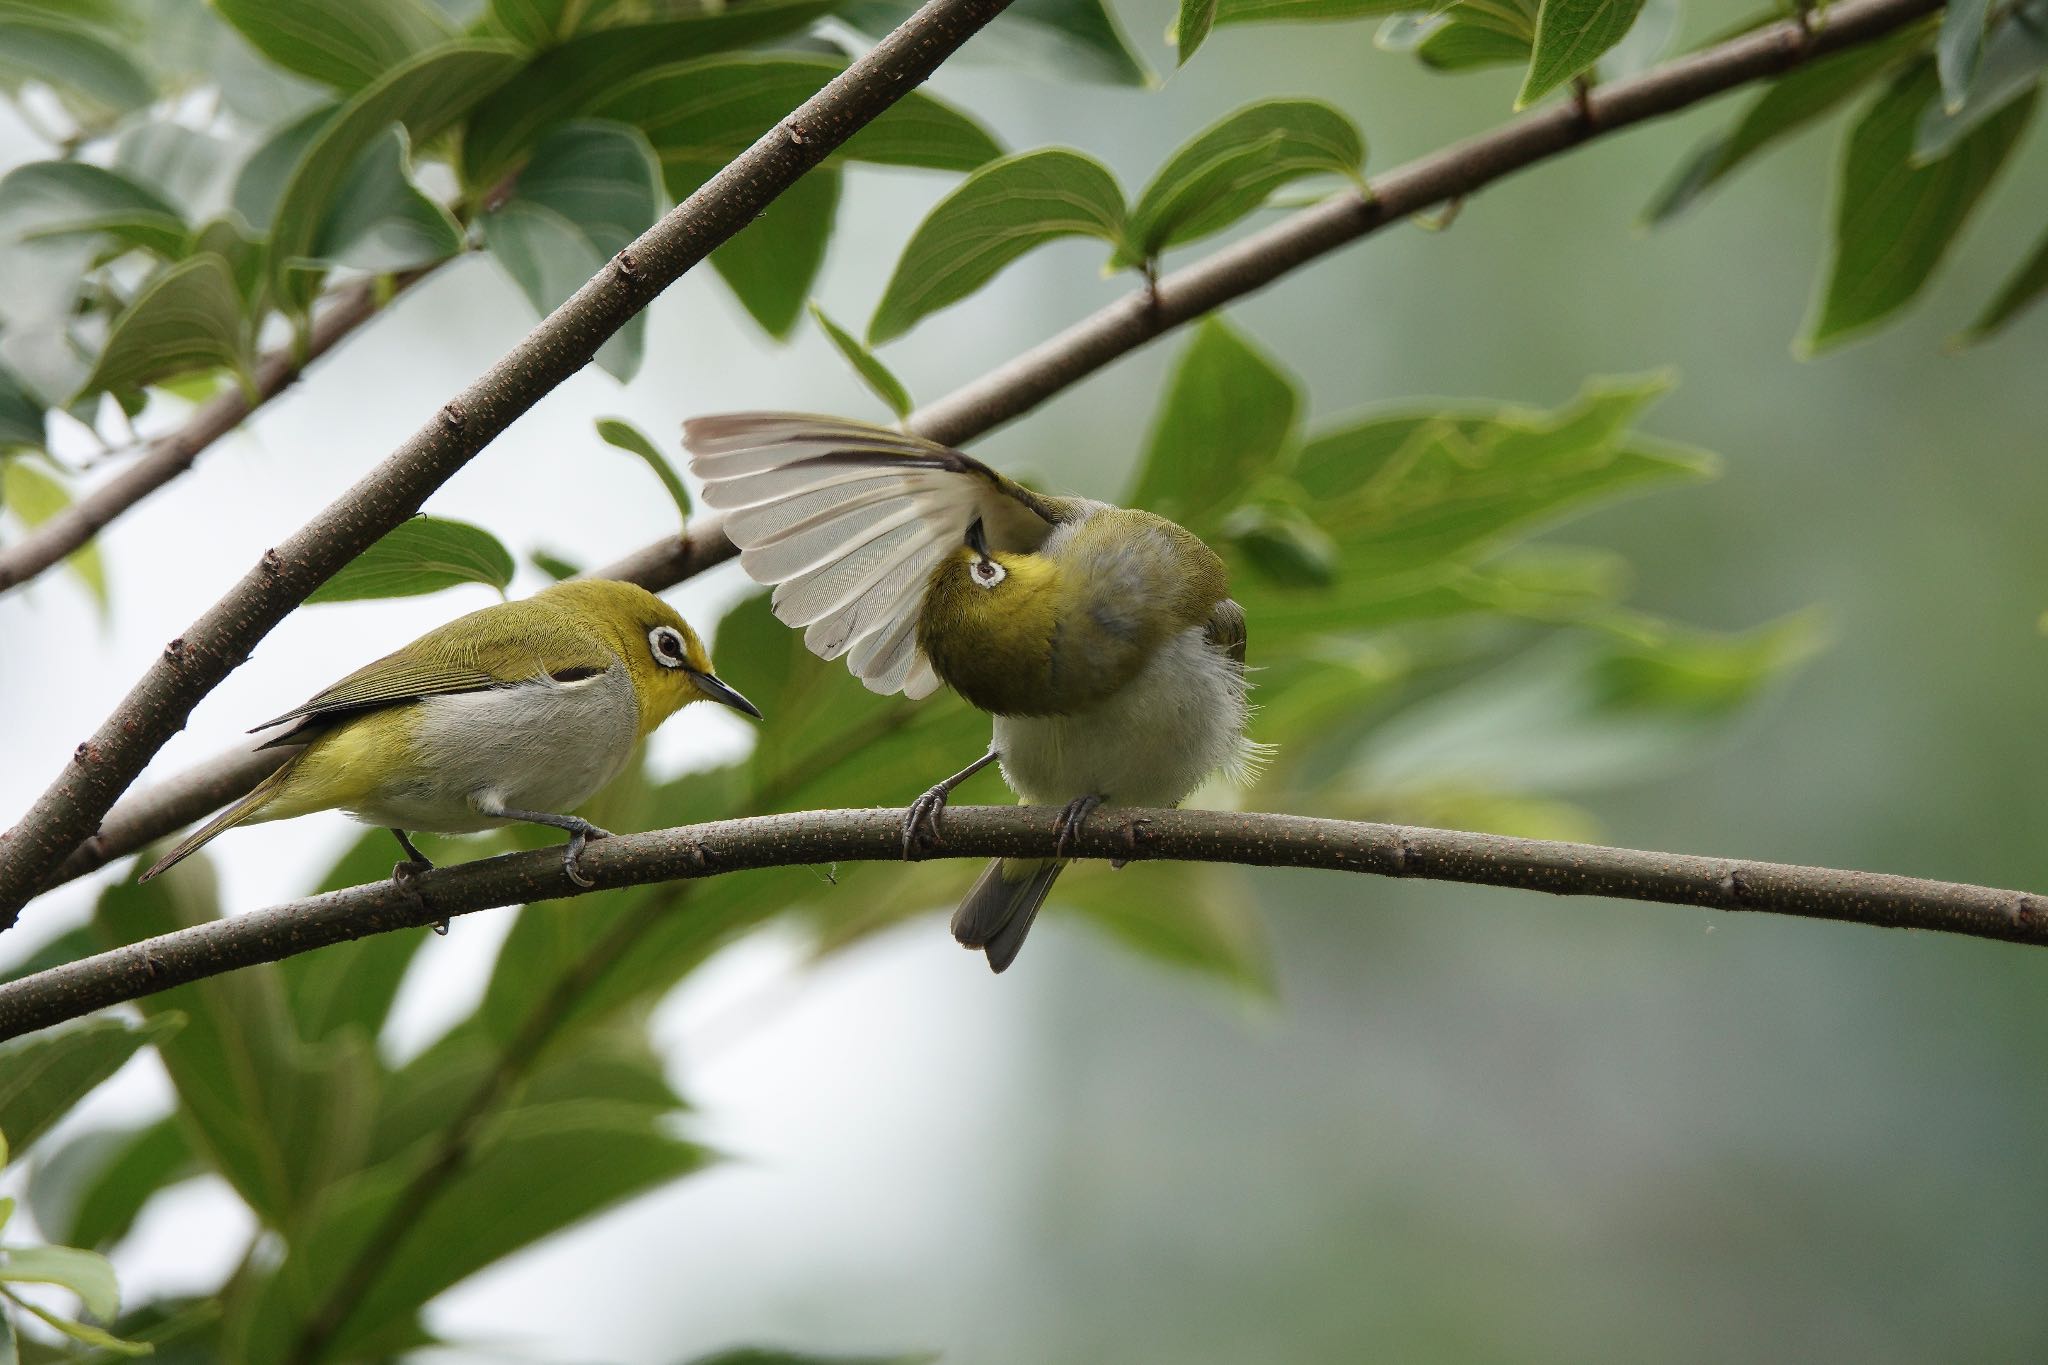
233, 815
999, 908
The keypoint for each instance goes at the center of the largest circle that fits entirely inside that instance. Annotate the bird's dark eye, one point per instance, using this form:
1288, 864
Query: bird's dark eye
667, 644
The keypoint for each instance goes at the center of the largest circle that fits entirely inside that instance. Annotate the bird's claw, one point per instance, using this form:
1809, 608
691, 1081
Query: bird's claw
578, 837
406, 875
921, 825
1073, 816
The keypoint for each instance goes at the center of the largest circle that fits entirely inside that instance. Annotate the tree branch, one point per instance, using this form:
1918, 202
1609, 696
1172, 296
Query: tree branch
214, 645
1115, 331
708, 850
172, 454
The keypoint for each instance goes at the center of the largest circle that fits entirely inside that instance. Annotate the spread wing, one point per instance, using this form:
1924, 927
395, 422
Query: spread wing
847, 522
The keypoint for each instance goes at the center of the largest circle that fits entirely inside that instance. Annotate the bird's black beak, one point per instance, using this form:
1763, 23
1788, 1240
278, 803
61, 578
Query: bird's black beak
977, 538
715, 689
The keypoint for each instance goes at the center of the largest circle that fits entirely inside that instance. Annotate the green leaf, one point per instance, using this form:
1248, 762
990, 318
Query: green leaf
260, 184
34, 497
184, 165
1230, 168
996, 215
380, 220
2021, 292
279, 1120
1789, 104
700, 115
873, 373
1197, 17
769, 1355
74, 59
2014, 58
427, 95
1189, 915
21, 415
1283, 544
1228, 413
44, 1075
1303, 11
1064, 39
536, 23
48, 199
85, 1273
553, 565
1477, 33
590, 189
616, 431
1894, 221
187, 318
91, 1190
1570, 36
422, 555
574, 78
772, 262
350, 986
1959, 49
69, 946
346, 45
82, 1332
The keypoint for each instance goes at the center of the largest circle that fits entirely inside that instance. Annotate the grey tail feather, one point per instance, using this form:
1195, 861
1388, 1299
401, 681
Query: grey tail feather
1000, 906
233, 815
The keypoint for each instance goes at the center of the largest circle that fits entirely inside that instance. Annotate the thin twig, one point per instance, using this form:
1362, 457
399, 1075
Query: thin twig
217, 643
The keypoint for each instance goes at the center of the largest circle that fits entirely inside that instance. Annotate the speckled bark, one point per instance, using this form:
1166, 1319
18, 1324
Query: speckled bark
811, 837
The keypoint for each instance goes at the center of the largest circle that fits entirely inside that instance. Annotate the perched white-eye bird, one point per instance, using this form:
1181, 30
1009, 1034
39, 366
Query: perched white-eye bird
1102, 639
519, 712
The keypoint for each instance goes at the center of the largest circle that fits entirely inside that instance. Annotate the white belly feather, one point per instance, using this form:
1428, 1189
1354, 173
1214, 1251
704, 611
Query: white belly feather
1158, 738
538, 746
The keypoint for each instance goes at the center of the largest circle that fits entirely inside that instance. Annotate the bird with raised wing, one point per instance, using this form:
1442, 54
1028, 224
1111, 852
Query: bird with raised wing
519, 712
1101, 639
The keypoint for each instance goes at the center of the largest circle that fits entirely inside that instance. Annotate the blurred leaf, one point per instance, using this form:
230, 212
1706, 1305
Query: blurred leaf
1481, 33
1192, 915
63, 198
996, 215
1228, 412
81, 1332
536, 23
34, 497
616, 431
2021, 292
422, 555
1570, 36
769, 1355
223, 237
1959, 49
187, 318
427, 94
2014, 58
873, 373
1894, 221
510, 1194
179, 1331
1064, 39
260, 183
1301, 11
574, 78
1229, 169
342, 43
553, 565
1645, 44
71, 57
1197, 17
85, 1273
1790, 103
350, 985
380, 221
69, 946
590, 189
772, 262
278, 1119
21, 416
44, 1075
700, 115
91, 1189
1283, 545
184, 165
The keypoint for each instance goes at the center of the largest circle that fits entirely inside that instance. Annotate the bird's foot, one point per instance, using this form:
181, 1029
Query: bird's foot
1073, 816
923, 824
406, 875
581, 833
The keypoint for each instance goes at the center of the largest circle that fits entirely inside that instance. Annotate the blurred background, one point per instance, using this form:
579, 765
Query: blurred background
1464, 1124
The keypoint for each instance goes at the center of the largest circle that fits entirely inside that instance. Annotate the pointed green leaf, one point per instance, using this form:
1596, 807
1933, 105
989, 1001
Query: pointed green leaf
44, 1075
1471, 38
74, 59
616, 431
553, 565
83, 1333
1197, 17
590, 189
34, 497
1228, 413
2015, 56
187, 318
87, 1274
772, 262
345, 45
92, 1188
261, 182
1959, 49
1229, 169
46, 199
1894, 221
425, 554
996, 215
873, 373
1570, 36
21, 416
2021, 292
381, 221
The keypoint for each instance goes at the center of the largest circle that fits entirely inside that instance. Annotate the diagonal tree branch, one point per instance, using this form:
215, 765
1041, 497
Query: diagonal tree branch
708, 850
1181, 296
171, 454
214, 645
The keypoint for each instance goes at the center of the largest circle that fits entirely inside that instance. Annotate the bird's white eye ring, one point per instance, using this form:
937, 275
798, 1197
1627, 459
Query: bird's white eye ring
986, 573
666, 644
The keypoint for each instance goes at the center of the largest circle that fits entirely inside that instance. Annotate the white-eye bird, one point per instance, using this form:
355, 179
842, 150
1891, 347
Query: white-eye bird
518, 712
1102, 639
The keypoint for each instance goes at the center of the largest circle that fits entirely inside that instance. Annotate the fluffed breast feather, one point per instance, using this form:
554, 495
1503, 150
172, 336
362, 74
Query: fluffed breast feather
848, 522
